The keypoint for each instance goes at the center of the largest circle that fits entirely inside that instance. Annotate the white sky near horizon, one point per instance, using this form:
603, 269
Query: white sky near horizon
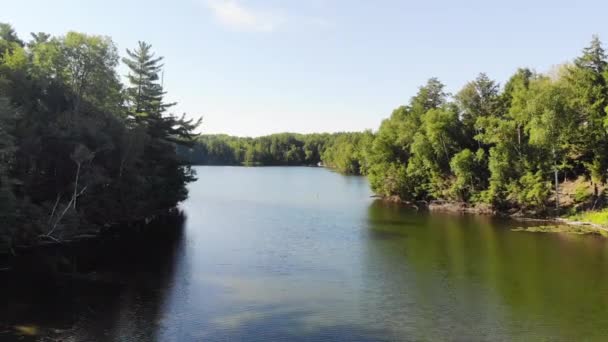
255, 67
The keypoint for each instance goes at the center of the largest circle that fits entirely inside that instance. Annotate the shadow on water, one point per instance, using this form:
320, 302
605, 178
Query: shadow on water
109, 289
390, 221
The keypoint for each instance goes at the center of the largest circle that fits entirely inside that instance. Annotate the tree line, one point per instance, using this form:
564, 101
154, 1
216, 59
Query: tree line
337, 150
81, 151
508, 147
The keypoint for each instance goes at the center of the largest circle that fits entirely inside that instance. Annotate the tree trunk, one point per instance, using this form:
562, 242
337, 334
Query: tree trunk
67, 207
445, 150
596, 195
595, 190
76, 185
556, 182
519, 135
556, 191
54, 208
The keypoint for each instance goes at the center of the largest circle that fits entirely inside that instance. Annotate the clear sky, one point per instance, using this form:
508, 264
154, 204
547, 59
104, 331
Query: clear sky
253, 67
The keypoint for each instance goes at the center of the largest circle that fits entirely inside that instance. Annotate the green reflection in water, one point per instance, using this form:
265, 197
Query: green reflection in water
303, 254
473, 277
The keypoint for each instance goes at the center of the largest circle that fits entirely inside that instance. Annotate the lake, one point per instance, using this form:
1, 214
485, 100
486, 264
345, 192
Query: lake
306, 254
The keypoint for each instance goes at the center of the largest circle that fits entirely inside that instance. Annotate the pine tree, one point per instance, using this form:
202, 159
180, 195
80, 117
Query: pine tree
588, 80
146, 93
146, 97
594, 56
7, 33
478, 98
160, 172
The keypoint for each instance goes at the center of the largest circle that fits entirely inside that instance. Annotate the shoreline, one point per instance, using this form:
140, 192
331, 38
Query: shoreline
486, 210
133, 233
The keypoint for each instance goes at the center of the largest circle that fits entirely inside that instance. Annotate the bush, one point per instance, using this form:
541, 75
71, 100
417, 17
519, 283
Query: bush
581, 193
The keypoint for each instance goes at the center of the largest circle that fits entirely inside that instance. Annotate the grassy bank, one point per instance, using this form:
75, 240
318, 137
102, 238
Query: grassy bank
599, 217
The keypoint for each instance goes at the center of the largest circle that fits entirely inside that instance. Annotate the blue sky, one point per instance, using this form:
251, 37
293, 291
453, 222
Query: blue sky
254, 67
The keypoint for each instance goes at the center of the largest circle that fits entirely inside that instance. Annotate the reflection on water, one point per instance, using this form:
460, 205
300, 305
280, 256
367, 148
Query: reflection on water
303, 254
472, 277
117, 293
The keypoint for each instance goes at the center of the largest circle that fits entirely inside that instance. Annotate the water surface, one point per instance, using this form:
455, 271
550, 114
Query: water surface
305, 254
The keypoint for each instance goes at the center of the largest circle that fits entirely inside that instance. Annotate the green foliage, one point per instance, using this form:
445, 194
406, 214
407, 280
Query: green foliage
390, 179
467, 168
534, 130
478, 99
346, 152
73, 157
531, 191
79, 150
8, 201
145, 94
581, 193
598, 217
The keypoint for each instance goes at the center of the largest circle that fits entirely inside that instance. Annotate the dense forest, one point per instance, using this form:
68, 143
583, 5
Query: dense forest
336, 150
506, 147
509, 147
79, 150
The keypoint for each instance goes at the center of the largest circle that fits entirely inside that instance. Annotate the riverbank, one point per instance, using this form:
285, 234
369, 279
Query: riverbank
581, 223
57, 258
441, 206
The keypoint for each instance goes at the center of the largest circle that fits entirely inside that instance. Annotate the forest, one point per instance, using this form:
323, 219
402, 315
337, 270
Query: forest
509, 147
336, 150
81, 151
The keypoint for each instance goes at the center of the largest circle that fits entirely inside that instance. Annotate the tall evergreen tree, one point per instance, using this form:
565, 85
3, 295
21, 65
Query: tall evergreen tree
161, 170
8, 34
430, 96
593, 57
587, 79
478, 99
145, 94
